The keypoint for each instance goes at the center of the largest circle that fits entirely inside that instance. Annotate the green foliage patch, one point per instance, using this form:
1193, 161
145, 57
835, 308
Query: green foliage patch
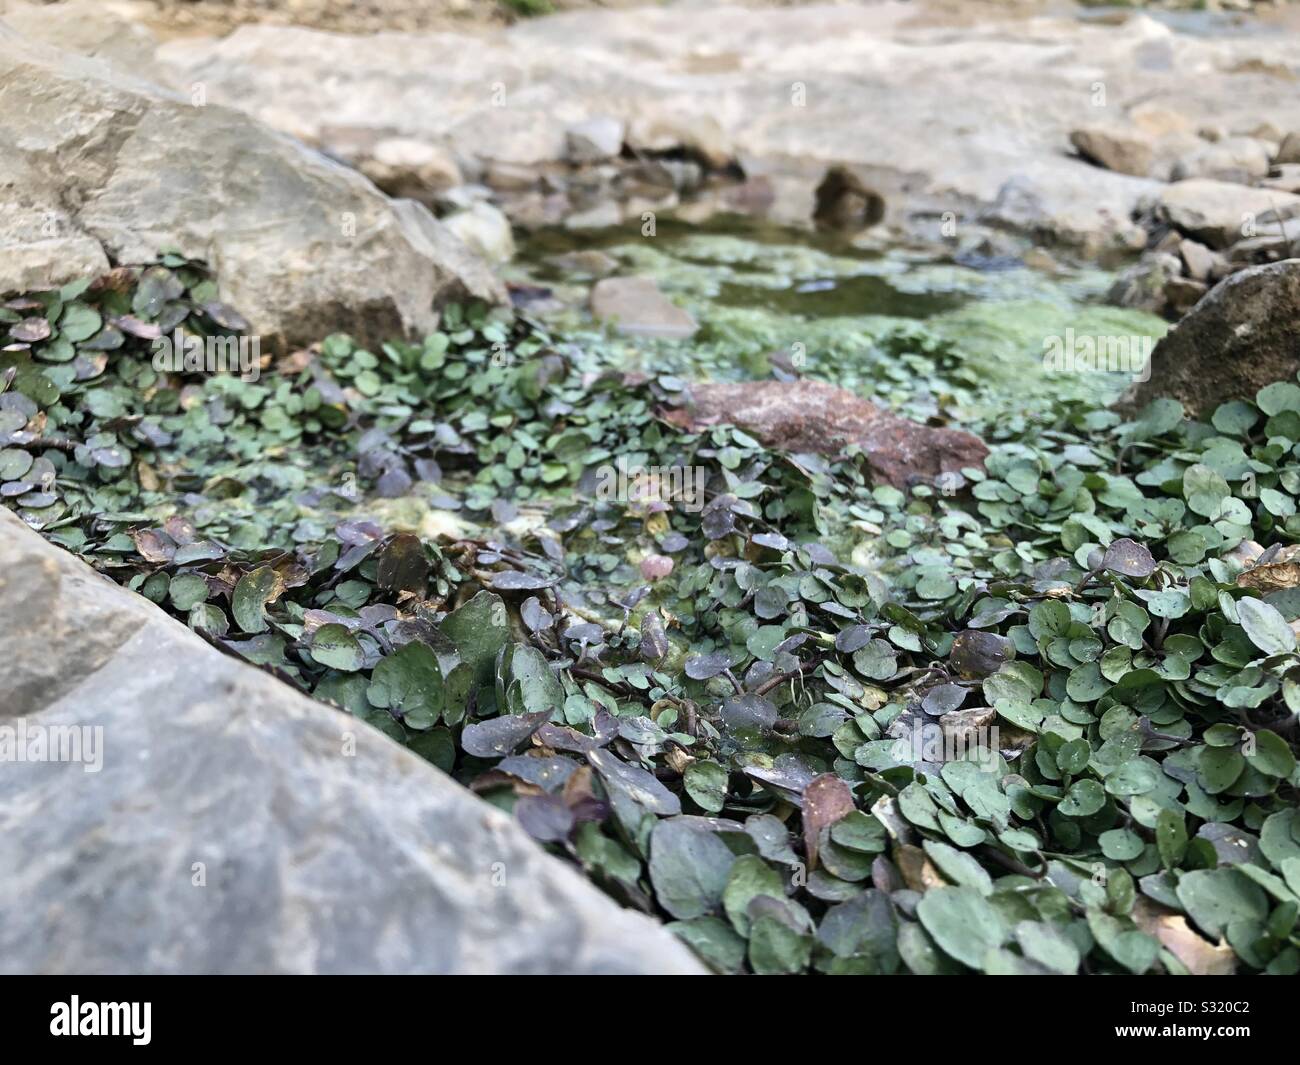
1040, 718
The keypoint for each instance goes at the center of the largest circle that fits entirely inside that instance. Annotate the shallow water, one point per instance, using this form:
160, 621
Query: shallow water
920, 329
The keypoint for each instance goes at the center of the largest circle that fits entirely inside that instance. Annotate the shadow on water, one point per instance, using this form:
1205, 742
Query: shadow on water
840, 298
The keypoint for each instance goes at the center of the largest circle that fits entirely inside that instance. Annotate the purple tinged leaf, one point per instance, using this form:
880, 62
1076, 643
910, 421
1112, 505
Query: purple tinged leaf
499, 736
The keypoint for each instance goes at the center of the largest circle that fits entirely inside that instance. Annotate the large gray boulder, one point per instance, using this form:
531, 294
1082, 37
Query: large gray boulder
234, 826
1243, 335
98, 165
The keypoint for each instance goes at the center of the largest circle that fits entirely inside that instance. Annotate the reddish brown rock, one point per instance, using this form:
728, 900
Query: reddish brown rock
816, 417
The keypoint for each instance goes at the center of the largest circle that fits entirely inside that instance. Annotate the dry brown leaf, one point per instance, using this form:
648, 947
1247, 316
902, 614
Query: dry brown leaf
1276, 569
962, 725
147, 478
1201, 957
918, 871
826, 799
154, 545
678, 759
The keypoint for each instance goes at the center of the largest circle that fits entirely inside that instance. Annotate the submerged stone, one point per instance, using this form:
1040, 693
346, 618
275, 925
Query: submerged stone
638, 308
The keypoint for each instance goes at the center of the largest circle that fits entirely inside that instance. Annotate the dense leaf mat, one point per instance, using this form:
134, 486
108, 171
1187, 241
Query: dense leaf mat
1040, 718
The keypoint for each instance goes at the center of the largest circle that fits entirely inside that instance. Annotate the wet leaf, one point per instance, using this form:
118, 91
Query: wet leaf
403, 565
335, 647
1265, 626
1128, 559
706, 783
702, 667
254, 591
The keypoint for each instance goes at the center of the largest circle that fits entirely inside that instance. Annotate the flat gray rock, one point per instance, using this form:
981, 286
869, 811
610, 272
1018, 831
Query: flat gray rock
219, 822
636, 307
1220, 213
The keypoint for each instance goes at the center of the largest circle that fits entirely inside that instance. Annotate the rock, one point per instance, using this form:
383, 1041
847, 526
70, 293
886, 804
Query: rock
1283, 176
755, 195
1289, 150
459, 197
1042, 260
1264, 131
658, 129
1157, 121
601, 216
32, 258
1274, 242
1125, 153
846, 202
511, 177
1218, 213
651, 179
594, 140
235, 826
1198, 259
1236, 159
1143, 285
485, 230
86, 27
685, 174
1239, 338
638, 308
590, 263
301, 245
403, 166
809, 416
1182, 294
